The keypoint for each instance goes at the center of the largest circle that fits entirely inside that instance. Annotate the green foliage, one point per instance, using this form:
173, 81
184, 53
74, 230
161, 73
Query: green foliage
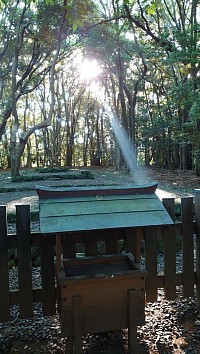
79, 14
194, 112
51, 170
167, 103
151, 8
48, 175
6, 2
48, 19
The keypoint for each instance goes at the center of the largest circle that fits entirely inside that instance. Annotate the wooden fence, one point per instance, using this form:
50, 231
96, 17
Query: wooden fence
149, 239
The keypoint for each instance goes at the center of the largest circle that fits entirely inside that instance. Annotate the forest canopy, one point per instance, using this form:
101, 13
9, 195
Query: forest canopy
69, 69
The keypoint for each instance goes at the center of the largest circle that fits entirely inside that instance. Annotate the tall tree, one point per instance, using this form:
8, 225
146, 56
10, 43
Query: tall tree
172, 27
28, 61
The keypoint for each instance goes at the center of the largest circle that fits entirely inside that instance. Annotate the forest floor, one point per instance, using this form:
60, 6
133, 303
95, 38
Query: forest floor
180, 336
174, 184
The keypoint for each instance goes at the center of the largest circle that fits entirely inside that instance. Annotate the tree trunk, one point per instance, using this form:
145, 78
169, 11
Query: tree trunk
197, 163
15, 155
29, 156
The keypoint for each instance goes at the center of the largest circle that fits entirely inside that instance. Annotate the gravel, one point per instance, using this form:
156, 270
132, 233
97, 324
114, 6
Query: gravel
103, 176
170, 327
166, 329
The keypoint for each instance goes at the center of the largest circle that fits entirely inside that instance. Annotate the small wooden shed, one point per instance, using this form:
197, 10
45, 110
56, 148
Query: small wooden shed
103, 293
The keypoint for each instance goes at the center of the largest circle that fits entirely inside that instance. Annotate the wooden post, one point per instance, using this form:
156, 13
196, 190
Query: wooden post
151, 264
4, 279
170, 263
47, 273
169, 206
170, 253
188, 246
24, 260
91, 245
197, 217
58, 268
110, 241
77, 324
69, 246
58, 252
133, 242
132, 323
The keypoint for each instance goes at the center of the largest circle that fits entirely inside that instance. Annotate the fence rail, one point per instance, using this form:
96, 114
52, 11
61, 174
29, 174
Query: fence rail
149, 239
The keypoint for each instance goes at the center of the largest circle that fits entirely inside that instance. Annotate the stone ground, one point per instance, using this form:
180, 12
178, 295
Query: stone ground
171, 326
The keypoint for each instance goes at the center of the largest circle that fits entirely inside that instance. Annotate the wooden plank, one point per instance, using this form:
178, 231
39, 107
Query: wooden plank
35, 236
133, 242
103, 221
170, 253
197, 218
188, 246
93, 271
170, 263
15, 296
38, 297
104, 300
4, 278
58, 208
47, 274
90, 191
151, 264
161, 279
109, 259
96, 198
24, 260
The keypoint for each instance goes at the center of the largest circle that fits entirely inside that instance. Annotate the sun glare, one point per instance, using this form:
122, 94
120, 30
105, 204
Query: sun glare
89, 70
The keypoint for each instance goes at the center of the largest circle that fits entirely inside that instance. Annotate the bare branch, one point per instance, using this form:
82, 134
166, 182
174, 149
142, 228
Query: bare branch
163, 43
25, 135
